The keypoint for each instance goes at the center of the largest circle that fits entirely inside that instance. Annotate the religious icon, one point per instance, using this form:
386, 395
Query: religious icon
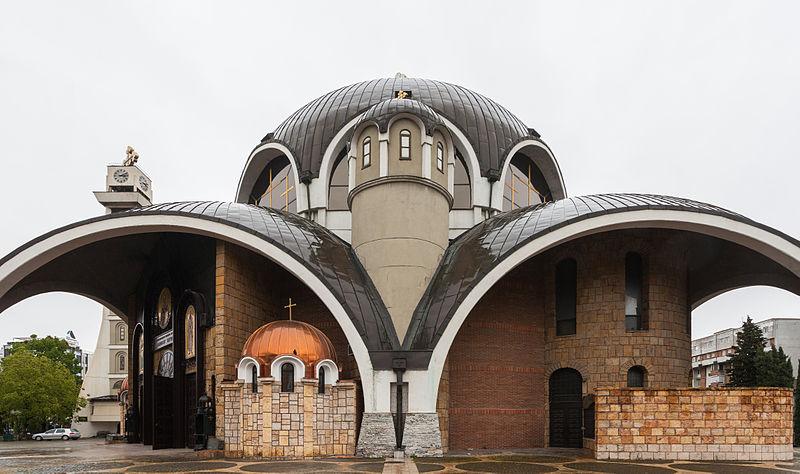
164, 309
141, 353
190, 321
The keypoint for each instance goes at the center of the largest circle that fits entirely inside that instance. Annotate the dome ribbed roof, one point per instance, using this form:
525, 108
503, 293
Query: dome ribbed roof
489, 127
295, 338
382, 112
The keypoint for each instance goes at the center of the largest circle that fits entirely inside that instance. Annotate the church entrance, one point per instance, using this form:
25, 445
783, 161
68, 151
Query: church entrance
565, 409
163, 421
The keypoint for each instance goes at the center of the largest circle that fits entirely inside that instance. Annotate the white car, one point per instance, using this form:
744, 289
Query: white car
58, 433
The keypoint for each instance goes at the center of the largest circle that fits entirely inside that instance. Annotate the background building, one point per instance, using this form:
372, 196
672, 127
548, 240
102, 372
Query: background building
710, 354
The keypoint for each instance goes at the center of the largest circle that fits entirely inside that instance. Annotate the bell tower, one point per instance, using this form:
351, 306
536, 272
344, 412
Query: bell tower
399, 199
127, 186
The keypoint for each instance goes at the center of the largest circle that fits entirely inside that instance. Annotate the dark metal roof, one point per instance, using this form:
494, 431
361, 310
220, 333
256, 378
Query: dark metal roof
318, 249
490, 128
382, 112
476, 252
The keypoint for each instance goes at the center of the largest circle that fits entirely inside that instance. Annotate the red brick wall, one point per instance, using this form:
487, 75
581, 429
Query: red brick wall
502, 356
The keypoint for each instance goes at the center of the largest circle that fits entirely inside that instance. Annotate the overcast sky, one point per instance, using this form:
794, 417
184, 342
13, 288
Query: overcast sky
691, 99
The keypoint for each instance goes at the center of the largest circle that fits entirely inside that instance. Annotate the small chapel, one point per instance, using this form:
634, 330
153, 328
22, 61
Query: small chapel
401, 270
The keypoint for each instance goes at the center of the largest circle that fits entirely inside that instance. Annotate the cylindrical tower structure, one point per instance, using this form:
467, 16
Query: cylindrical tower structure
399, 200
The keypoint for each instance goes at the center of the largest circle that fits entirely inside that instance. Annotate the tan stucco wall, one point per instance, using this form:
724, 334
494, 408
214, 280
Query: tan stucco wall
407, 167
400, 231
373, 170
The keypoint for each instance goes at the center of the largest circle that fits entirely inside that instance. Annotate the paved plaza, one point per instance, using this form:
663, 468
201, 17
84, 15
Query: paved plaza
92, 455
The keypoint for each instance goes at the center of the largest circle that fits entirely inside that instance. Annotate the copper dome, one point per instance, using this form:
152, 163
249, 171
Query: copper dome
284, 337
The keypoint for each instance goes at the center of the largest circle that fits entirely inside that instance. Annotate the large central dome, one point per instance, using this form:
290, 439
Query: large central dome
490, 129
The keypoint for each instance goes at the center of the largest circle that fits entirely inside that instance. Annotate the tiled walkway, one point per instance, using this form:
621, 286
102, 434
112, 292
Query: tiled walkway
93, 456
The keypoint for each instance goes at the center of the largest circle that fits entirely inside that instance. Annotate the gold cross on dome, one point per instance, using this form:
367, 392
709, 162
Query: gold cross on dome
402, 94
290, 306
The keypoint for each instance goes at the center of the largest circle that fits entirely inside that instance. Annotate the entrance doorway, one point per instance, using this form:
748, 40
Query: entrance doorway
565, 409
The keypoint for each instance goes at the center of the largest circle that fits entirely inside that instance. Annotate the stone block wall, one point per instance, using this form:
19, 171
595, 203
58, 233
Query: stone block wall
709, 424
303, 423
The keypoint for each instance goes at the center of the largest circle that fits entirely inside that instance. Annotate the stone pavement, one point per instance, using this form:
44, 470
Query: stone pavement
91, 455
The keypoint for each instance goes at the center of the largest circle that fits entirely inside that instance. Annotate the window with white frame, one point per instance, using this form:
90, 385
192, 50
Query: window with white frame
405, 144
366, 152
440, 157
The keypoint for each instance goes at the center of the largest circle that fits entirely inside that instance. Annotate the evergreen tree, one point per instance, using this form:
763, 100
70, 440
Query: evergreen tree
744, 361
774, 369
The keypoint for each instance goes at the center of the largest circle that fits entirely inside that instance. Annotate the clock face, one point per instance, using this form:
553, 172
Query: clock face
143, 183
120, 176
164, 309
166, 365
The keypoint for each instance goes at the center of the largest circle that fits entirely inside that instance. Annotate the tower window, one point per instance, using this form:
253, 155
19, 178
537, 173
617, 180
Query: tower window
634, 282
287, 377
566, 296
405, 145
121, 332
121, 360
254, 377
440, 157
366, 152
322, 380
636, 376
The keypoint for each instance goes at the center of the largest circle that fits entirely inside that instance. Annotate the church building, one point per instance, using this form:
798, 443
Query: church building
401, 268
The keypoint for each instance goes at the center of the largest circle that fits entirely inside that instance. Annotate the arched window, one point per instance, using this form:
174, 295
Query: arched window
524, 184
440, 157
122, 332
254, 376
287, 377
366, 152
121, 361
566, 297
337, 188
405, 144
636, 376
275, 186
634, 281
462, 194
322, 380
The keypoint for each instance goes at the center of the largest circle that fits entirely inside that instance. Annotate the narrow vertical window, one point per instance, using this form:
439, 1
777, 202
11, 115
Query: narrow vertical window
636, 376
366, 152
121, 332
634, 308
122, 362
287, 377
405, 145
566, 297
254, 377
440, 157
322, 380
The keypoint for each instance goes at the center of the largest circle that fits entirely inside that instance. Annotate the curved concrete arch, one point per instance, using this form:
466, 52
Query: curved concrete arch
769, 244
258, 159
481, 189
319, 186
18, 265
547, 164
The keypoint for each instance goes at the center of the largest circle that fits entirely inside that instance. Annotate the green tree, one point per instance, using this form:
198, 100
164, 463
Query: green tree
54, 348
36, 391
774, 369
744, 361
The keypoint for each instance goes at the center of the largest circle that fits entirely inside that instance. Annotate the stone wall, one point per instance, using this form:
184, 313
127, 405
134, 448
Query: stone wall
719, 424
303, 423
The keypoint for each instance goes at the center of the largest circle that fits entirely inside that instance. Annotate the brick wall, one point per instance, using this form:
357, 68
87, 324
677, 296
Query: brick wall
729, 424
251, 291
303, 423
501, 359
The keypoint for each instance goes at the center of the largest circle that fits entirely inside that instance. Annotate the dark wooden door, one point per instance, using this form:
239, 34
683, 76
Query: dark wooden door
190, 406
163, 415
565, 409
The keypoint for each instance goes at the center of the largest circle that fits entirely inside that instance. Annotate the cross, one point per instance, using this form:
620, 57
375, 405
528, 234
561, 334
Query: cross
513, 190
286, 193
270, 187
290, 305
529, 183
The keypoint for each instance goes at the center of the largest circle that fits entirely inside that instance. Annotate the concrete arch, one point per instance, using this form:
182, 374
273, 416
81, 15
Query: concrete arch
579, 366
260, 158
15, 267
772, 245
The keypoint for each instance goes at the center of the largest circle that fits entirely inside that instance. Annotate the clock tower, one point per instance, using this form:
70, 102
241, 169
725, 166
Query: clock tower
127, 186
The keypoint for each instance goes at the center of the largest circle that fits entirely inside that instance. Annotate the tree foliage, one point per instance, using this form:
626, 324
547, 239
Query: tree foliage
36, 391
54, 348
751, 366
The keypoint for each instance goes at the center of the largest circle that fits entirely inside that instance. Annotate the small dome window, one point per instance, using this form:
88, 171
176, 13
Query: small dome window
322, 380
366, 152
405, 144
287, 377
440, 157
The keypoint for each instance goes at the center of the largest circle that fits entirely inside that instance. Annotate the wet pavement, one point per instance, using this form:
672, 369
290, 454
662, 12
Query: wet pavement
92, 455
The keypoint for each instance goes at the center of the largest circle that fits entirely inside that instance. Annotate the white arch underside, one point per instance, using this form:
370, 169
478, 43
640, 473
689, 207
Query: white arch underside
50, 248
766, 243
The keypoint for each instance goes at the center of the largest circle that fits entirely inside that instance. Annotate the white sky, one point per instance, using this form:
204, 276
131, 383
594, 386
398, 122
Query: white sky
698, 100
